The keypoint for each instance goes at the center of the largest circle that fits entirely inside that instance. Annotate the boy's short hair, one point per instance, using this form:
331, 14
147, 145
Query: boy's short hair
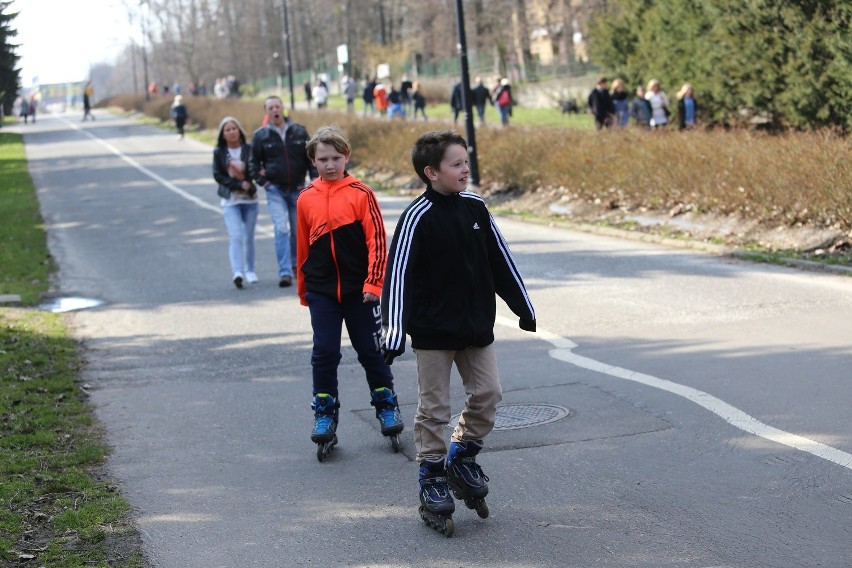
430, 148
331, 135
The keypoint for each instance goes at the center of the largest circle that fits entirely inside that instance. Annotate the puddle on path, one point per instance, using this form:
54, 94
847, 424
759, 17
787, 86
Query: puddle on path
60, 305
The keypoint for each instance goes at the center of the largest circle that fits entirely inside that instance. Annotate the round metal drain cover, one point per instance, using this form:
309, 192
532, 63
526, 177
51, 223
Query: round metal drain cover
517, 416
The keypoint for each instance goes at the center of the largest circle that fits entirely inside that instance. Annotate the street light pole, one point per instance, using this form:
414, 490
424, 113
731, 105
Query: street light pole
466, 98
289, 58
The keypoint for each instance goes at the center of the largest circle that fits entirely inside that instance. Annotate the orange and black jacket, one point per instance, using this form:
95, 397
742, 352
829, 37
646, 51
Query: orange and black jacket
341, 244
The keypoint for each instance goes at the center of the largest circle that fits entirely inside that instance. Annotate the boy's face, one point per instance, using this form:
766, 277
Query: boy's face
451, 176
329, 162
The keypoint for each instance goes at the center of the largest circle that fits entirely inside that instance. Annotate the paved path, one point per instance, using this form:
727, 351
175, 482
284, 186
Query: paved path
668, 362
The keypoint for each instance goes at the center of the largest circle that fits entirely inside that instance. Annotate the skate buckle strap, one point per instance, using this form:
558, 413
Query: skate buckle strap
471, 465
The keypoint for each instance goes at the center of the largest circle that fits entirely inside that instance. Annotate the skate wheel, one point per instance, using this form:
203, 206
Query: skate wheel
320, 453
449, 527
482, 509
395, 443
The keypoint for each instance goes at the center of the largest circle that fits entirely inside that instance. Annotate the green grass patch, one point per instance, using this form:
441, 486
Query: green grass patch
24, 260
55, 508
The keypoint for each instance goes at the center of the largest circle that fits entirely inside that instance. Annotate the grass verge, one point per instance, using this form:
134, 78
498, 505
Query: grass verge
58, 509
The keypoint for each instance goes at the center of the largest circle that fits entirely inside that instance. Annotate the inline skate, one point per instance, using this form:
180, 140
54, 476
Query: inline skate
466, 478
324, 434
387, 411
436, 503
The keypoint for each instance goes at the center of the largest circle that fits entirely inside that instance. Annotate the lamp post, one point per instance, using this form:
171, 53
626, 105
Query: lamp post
289, 59
466, 99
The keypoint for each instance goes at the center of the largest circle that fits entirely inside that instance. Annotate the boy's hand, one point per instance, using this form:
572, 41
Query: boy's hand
527, 324
389, 355
368, 297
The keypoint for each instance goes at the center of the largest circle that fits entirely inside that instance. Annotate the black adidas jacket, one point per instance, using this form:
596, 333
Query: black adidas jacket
447, 261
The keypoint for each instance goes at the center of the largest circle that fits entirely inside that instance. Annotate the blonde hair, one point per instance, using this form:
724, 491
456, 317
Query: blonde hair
331, 135
616, 84
652, 83
683, 90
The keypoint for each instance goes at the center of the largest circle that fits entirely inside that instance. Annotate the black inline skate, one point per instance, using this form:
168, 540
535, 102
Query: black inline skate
436, 503
387, 411
466, 478
324, 434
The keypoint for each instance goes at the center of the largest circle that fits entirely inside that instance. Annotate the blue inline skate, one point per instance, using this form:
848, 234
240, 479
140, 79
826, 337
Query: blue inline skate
387, 411
324, 434
466, 478
436, 503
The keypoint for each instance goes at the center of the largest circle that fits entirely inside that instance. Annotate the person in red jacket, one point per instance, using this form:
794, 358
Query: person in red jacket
341, 254
380, 96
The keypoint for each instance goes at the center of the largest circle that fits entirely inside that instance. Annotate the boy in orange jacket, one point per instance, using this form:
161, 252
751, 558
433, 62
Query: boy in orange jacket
341, 251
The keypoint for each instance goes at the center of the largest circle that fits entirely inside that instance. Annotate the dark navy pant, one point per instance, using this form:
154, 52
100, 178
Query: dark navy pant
364, 324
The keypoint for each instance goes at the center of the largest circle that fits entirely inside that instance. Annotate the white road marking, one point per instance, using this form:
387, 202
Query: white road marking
728, 413
164, 182
562, 352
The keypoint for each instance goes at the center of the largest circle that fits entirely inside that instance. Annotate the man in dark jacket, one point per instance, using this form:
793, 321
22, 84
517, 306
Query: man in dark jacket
481, 95
601, 105
279, 163
456, 101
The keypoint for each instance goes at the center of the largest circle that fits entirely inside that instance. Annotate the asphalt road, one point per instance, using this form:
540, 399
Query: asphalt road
708, 399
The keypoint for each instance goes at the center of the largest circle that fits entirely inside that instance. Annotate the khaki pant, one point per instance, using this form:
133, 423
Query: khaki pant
478, 369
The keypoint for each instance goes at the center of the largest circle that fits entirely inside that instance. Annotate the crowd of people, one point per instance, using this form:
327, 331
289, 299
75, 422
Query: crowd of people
649, 109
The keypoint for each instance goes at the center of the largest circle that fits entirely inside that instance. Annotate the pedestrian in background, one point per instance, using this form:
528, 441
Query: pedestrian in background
687, 108
456, 101
349, 89
380, 97
620, 103
238, 198
640, 109
367, 96
481, 96
179, 115
88, 95
600, 104
503, 100
279, 164
320, 94
418, 100
309, 92
659, 104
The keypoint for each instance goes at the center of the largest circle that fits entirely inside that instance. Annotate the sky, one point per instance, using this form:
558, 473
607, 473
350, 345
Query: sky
61, 39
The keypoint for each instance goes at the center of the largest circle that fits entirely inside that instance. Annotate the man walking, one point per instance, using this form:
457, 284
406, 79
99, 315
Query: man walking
279, 162
601, 105
481, 95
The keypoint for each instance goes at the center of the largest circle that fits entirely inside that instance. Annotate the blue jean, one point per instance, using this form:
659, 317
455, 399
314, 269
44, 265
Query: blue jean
505, 113
241, 219
480, 110
282, 209
364, 324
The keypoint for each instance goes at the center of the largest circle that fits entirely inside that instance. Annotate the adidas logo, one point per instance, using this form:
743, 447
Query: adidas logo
475, 226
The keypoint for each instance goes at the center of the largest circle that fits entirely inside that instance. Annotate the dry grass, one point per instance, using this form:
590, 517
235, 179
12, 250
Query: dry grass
778, 180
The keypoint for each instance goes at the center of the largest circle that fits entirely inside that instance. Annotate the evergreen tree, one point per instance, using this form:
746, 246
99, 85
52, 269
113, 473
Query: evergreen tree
9, 71
788, 62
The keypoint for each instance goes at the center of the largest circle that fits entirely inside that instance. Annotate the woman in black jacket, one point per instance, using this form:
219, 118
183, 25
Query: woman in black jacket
239, 197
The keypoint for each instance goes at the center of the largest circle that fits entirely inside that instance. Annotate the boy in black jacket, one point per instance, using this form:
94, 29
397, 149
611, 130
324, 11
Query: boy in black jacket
447, 261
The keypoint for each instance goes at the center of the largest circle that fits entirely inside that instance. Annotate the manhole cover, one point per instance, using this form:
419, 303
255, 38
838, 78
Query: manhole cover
517, 416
